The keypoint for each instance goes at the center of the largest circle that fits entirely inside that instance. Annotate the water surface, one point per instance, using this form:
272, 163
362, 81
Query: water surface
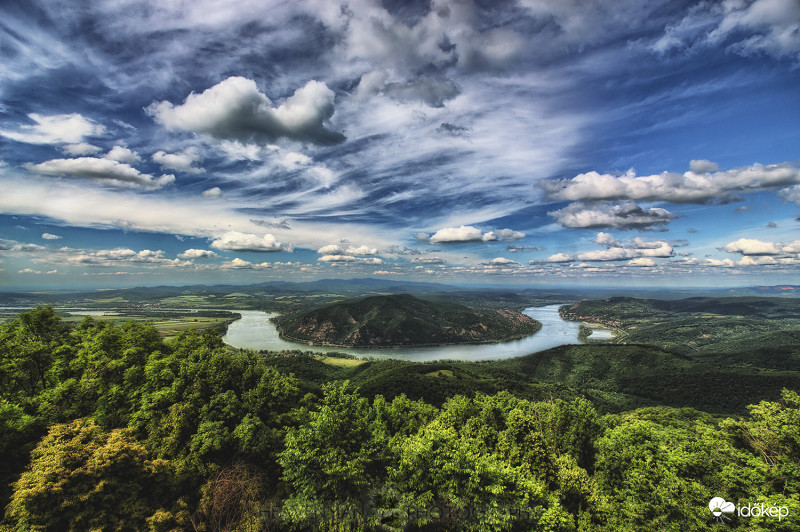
255, 331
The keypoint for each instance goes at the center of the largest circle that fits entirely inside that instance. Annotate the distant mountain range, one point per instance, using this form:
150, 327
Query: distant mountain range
359, 287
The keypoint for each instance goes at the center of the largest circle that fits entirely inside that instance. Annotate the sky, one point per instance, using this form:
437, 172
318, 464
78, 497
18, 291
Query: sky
532, 142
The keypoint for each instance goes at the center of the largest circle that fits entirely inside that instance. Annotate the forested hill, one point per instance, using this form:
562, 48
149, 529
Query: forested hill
393, 320
752, 331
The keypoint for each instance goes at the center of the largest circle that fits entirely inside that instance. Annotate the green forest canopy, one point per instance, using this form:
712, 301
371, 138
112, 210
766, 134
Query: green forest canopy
109, 427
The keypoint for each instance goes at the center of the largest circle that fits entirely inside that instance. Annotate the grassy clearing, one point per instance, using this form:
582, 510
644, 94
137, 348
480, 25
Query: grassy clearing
167, 325
342, 362
440, 373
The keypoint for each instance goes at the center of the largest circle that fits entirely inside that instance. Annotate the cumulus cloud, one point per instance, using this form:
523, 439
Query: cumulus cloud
106, 257
558, 257
642, 262
791, 194
689, 187
123, 155
626, 216
464, 233
182, 161
55, 129
702, 166
335, 249
197, 254
13, 245
755, 247
81, 148
468, 233
502, 261
236, 241
103, 171
214, 192
505, 235
616, 250
350, 258
50, 236
606, 239
235, 110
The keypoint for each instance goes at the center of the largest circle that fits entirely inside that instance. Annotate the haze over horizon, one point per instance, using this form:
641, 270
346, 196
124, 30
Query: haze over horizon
633, 143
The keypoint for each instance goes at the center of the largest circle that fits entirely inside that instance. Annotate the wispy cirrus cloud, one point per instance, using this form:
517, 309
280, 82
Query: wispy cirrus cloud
103, 171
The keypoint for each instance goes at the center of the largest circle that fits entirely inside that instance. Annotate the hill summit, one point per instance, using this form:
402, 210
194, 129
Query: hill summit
402, 320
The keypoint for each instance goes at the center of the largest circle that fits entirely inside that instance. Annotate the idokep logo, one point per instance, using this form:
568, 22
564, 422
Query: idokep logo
719, 506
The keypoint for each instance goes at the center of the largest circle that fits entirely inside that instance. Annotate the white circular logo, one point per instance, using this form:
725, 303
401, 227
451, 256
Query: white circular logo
718, 506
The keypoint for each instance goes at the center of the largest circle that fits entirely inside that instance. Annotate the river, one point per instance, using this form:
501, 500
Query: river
255, 331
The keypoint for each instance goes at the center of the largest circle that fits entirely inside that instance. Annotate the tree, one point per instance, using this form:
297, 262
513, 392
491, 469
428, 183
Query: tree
331, 461
82, 478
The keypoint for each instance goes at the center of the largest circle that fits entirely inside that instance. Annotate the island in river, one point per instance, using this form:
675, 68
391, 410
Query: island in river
402, 320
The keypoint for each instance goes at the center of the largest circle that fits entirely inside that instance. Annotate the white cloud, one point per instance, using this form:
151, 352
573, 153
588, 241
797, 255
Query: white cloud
235, 110
502, 261
559, 257
506, 235
702, 166
428, 260
182, 162
81, 148
335, 249
350, 258
617, 251
611, 254
689, 187
123, 155
747, 27
13, 245
752, 246
468, 233
50, 236
627, 216
28, 270
83, 206
606, 239
197, 254
214, 192
109, 257
236, 241
293, 160
101, 170
756, 261
774, 26
791, 194
55, 129
642, 262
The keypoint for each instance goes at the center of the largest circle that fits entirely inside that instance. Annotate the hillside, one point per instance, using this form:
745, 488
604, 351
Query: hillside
614, 377
402, 320
756, 331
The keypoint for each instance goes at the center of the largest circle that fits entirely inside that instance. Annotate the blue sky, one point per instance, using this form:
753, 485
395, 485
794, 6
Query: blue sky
553, 142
